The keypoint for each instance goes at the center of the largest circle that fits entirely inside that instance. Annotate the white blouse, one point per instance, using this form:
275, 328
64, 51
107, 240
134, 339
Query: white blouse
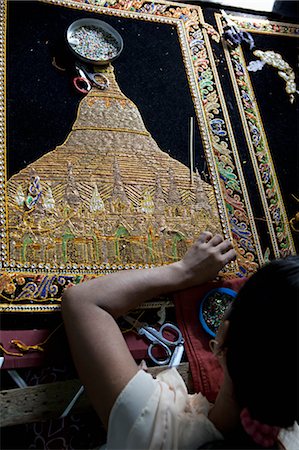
159, 414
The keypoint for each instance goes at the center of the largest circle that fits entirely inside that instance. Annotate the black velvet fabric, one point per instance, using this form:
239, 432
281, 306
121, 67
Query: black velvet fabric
42, 102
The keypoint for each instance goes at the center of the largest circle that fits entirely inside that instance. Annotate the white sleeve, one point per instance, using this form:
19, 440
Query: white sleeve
159, 414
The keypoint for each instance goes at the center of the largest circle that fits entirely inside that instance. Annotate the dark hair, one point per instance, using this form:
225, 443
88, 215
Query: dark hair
262, 343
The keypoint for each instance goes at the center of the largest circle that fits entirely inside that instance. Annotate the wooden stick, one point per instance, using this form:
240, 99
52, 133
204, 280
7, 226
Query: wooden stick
191, 153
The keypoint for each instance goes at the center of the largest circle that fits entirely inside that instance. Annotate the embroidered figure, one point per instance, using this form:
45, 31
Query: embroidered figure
147, 204
96, 202
49, 202
34, 190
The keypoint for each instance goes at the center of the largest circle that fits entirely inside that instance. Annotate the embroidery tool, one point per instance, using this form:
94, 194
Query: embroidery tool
173, 349
191, 149
72, 403
213, 307
1, 358
17, 378
86, 79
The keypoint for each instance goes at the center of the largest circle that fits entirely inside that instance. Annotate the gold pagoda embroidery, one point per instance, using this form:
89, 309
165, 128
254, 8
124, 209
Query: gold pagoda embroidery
107, 194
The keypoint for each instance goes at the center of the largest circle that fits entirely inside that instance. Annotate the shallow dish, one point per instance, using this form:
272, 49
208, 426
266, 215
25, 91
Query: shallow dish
90, 27
213, 307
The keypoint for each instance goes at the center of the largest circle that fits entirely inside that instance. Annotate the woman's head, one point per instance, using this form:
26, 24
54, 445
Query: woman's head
261, 343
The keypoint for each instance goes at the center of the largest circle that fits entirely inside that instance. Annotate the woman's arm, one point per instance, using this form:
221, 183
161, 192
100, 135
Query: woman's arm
100, 353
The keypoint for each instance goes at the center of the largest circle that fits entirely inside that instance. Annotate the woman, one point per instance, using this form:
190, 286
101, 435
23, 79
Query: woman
142, 412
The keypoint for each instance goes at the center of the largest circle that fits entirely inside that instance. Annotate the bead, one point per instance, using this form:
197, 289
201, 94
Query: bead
214, 308
94, 44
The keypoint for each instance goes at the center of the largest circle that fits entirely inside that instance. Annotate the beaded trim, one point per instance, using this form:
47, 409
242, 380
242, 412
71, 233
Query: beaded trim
259, 150
3, 198
224, 165
262, 26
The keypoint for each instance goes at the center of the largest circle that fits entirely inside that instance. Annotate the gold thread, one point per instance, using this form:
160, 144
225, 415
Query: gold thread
26, 347
7, 352
121, 130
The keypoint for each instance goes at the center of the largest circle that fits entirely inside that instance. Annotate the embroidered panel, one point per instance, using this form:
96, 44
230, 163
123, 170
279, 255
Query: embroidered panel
75, 213
258, 146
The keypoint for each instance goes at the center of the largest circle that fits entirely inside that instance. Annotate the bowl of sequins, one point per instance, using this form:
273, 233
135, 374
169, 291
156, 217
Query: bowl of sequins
94, 41
213, 307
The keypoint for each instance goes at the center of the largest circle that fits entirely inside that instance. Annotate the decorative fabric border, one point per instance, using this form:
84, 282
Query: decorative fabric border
258, 146
42, 284
262, 26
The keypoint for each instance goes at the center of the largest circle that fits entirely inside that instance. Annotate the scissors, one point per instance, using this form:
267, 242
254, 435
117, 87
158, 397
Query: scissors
173, 349
84, 82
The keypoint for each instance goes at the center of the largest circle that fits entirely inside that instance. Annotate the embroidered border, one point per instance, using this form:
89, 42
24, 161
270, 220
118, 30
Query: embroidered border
230, 172
224, 165
262, 26
259, 150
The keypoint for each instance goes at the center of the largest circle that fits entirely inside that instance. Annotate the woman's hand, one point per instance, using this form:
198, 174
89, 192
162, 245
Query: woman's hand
204, 259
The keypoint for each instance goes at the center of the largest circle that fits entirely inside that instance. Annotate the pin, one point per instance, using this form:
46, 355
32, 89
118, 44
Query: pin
191, 156
72, 403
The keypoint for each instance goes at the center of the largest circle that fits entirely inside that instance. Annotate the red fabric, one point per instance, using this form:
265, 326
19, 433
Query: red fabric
30, 358
137, 345
206, 371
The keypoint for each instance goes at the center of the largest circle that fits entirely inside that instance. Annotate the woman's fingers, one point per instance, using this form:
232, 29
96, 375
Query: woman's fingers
217, 239
205, 258
225, 246
227, 251
229, 256
205, 237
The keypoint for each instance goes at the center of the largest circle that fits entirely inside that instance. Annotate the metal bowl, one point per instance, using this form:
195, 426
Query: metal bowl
103, 26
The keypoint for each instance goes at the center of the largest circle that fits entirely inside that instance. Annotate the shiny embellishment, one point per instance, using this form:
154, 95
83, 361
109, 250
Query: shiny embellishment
255, 65
96, 202
34, 190
284, 70
48, 201
147, 204
20, 196
214, 306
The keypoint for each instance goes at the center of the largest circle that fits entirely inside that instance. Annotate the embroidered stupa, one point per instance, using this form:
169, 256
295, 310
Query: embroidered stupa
108, 194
